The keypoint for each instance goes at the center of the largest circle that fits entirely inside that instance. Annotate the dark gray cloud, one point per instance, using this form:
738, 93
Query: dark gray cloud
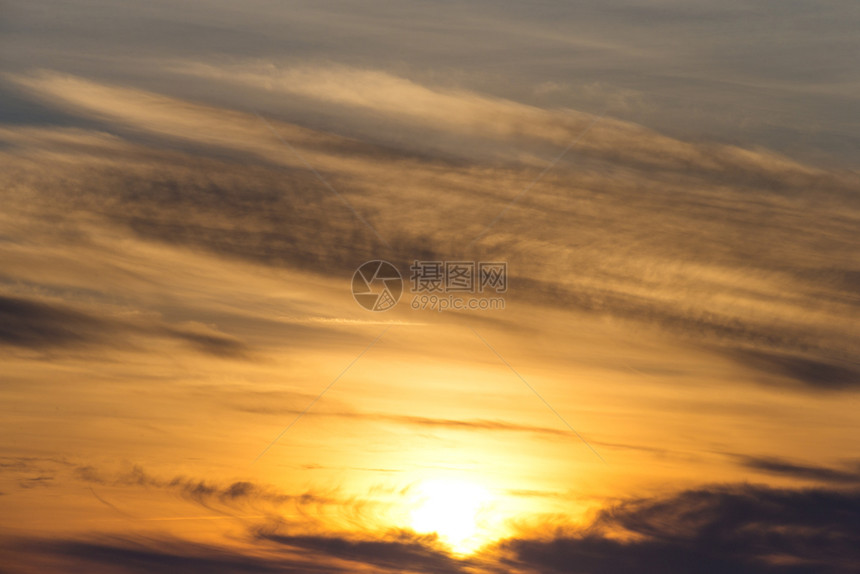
34, 324
36, 481
115, 554
212, 344
415, 553
220, 497
816, 372
731, 529
791, 469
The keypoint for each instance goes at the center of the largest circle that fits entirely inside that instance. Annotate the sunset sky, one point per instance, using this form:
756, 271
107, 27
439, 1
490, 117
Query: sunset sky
669, 383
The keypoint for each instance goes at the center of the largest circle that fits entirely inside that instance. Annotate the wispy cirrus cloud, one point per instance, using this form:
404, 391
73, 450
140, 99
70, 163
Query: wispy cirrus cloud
849, 474
626, 230
43, 326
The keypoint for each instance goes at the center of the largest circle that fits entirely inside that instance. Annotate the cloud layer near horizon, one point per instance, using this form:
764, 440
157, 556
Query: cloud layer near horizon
714, 528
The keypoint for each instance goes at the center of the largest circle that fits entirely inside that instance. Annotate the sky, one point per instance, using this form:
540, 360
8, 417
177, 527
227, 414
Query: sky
667, 380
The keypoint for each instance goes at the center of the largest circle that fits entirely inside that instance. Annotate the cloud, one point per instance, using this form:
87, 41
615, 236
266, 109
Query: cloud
256, 504
390, 96
202, 492
713, 529
764, 73
38, 325
115, 554
33, 324
716, 245
476, 425
781, 467
410, 551
212, 343
816, 372
730, 529
118, 554
423, 111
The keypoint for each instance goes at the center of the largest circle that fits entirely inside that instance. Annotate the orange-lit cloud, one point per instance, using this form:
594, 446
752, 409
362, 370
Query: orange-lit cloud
175, 291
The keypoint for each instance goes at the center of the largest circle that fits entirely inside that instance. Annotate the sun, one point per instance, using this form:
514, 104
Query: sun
453, 510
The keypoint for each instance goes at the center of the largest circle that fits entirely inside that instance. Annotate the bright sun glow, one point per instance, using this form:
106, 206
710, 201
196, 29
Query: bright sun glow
452, 509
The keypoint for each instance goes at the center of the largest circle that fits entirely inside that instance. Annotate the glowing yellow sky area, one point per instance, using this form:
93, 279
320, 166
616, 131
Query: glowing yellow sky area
455, 510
